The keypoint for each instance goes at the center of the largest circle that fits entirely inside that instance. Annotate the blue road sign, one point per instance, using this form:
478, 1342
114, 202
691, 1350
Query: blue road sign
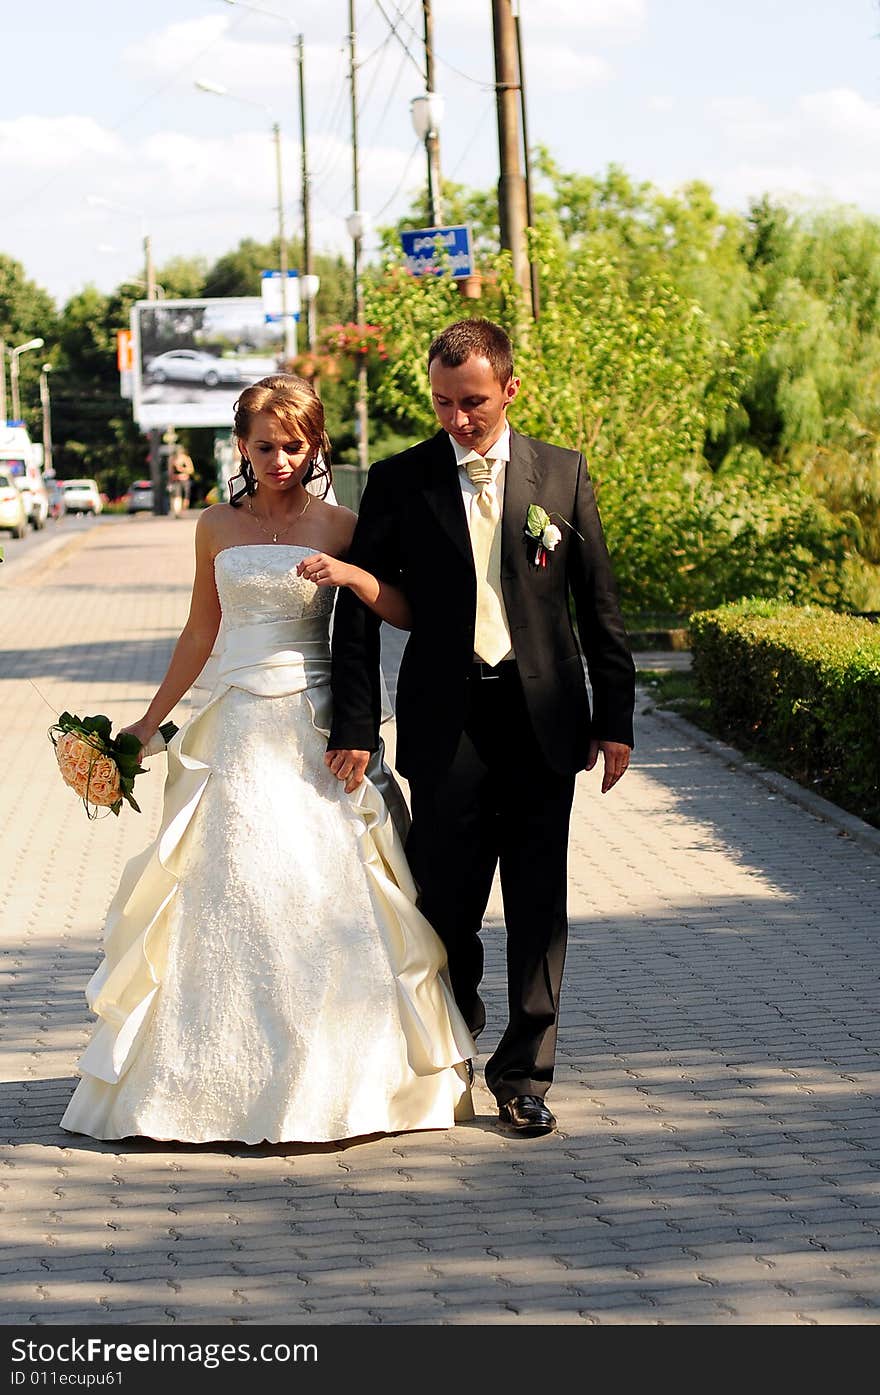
431, 251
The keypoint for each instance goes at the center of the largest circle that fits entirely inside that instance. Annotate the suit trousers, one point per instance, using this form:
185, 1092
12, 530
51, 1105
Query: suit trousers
499, 804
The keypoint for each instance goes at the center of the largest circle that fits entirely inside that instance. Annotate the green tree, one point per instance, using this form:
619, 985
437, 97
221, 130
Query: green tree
26, 312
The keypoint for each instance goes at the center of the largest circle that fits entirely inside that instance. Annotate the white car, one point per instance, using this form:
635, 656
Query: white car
13, 518
29, 480
82, 496
192, 366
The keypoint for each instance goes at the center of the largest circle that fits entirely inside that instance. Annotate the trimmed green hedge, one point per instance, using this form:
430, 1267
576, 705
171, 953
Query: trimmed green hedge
800, 686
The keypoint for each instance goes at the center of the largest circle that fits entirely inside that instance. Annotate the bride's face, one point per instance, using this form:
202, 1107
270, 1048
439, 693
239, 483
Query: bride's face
279, 459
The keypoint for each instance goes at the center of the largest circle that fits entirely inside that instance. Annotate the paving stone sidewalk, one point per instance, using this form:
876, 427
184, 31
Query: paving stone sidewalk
718, 1157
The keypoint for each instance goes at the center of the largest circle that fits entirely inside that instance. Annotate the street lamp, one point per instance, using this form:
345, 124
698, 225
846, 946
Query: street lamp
46, 406
305, 177
219, 91
427, 114
160, 495
13, 373
98, 201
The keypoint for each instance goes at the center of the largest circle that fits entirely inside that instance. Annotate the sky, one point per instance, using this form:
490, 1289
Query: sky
99, 103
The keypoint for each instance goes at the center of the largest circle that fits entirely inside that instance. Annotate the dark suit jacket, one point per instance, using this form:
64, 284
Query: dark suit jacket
412, 531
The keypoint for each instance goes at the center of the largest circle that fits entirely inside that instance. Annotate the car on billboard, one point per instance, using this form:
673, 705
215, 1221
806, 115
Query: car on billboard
192, 366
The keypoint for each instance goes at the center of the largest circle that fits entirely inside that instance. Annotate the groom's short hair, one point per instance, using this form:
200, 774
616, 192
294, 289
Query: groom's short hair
479, 338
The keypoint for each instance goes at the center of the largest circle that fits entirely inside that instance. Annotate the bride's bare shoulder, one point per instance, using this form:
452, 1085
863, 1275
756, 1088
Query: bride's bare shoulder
339, 523
217, 524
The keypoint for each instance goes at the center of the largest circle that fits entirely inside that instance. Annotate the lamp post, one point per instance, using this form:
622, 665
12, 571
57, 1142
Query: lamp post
46, 407
427, 113
13, 373
299, 62
98, 201
218, 90
356, 225
160, 493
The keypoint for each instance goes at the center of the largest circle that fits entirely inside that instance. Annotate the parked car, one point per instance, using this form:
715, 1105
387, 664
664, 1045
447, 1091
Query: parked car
139, 498
22, 458
82, 496
192, 366
55, 492
13, 516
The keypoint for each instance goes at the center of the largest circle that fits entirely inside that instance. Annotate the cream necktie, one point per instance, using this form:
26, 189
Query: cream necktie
491, 635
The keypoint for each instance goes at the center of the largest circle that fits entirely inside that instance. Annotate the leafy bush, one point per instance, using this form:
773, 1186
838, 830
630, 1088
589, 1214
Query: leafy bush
801, 686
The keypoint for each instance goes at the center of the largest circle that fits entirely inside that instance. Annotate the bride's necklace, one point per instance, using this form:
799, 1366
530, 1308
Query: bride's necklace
276, 534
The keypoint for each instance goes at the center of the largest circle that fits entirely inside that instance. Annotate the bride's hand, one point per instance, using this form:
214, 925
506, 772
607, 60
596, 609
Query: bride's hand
324, 570
144, 731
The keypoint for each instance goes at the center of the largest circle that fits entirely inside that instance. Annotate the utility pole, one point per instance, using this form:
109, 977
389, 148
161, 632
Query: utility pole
527, 160
512, 216
154, 435
357, 236
432, 139
2, 384
46, 412
306, 191
286, 321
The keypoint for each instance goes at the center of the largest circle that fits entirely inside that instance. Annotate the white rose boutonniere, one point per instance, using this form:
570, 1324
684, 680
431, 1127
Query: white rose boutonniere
542, 535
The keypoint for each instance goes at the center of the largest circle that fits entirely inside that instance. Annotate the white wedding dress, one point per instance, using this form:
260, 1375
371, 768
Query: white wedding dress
267, 975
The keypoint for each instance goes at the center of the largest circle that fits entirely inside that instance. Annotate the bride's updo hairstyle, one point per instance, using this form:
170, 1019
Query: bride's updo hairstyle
295, 404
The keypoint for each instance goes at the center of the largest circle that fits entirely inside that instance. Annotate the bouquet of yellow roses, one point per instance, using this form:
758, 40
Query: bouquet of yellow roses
101, 768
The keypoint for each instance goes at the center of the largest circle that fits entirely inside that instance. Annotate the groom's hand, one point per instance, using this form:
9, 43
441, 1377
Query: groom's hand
616, 756
348, 766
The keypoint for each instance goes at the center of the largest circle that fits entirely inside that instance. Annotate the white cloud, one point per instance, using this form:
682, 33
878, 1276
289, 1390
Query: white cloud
260, 69
823, 148
554, 68
603, 19
53, 142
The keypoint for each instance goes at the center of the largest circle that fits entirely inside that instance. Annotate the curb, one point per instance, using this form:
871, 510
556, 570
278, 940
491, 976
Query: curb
54, 551
848, 824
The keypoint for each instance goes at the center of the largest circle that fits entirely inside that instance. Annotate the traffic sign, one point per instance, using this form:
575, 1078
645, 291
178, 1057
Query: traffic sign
270, 290
431, 251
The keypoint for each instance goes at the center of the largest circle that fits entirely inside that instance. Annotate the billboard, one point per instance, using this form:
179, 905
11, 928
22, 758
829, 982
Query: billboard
191, 358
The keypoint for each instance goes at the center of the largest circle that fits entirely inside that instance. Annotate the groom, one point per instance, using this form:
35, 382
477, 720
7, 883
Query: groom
493, 715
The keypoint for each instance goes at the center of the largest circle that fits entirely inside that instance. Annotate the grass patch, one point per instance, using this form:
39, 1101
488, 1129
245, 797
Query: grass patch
676, 691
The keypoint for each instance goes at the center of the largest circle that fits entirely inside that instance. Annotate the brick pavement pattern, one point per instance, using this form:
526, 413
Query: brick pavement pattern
717, 1159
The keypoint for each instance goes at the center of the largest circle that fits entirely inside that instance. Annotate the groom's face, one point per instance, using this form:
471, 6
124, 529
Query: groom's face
470, 402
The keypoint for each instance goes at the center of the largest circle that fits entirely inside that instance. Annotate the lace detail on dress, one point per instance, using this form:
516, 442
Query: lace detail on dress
257, 583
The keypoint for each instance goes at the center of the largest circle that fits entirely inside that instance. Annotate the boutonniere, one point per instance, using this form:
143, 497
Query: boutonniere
542, 534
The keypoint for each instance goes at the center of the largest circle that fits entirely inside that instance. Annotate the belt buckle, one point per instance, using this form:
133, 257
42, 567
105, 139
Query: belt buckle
487, 674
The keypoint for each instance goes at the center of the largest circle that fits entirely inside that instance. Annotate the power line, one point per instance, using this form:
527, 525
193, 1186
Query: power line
416, 149
401, 19
133, 111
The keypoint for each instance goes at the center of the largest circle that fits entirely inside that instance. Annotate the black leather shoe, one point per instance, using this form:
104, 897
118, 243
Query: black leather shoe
527, 1115
469, 1067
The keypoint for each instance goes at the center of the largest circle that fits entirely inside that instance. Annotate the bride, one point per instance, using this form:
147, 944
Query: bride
267, 976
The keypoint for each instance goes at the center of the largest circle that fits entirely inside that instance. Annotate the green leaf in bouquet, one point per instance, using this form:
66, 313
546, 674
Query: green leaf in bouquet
100, 725
127, 743
536, 520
